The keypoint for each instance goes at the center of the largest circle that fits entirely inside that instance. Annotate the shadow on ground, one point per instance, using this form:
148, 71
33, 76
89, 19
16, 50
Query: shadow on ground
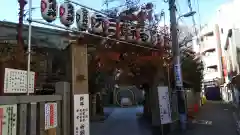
121, 121
215, 118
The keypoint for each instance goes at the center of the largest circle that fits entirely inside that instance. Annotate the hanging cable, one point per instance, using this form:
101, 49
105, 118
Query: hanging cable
179, 13
199, 15
196, 2
193, 20
166, 1
190, 5
164, 18
178, 7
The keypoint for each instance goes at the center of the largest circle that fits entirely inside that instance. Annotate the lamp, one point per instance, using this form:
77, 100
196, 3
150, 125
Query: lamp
187, 15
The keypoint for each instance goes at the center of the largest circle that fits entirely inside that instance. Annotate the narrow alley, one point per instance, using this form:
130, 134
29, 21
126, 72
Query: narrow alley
122, 121
215, 118
119, 67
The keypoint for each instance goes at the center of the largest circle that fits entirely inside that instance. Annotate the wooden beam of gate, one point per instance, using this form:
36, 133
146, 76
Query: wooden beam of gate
79, 71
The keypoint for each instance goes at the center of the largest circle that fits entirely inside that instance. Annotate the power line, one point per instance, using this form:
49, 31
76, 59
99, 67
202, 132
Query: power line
191, 9
193, 19
179, 13
199, 15
189, 5
178, 7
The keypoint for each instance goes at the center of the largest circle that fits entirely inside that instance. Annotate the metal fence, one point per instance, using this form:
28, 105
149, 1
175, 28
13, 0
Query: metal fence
30, 119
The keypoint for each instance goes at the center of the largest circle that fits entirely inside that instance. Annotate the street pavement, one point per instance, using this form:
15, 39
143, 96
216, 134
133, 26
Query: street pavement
214, 118
121, 121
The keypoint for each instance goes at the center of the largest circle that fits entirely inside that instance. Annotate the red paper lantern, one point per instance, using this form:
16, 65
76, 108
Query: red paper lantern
67, 14
49, 10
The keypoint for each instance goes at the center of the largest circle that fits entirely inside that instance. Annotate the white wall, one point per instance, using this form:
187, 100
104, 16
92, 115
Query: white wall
195, 45
235, 14
208, 43
227, 17
224, 16
210, 58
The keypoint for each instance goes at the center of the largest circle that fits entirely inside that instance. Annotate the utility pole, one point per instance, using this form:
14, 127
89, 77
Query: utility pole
177, 66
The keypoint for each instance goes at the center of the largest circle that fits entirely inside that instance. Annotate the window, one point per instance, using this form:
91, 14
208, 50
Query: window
238, 55
210, 70
209, 54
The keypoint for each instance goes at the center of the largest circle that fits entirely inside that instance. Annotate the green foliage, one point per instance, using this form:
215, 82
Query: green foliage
96, 82
192, 69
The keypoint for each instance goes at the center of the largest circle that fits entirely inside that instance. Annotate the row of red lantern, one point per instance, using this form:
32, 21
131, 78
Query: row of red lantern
49, 11
98, 24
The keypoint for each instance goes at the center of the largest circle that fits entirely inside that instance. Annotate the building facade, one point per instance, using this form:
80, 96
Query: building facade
219, 47
229, 25
208, 48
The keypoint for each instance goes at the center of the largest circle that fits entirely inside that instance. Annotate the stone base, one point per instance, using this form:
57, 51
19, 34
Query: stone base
97, 118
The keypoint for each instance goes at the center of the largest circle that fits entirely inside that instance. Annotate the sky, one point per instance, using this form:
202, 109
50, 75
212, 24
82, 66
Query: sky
207, 9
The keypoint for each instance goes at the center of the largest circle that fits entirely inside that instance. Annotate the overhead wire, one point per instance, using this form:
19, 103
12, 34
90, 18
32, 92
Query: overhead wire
107, 38
179, 11
199, 14
193, 19
97, 11
63, 28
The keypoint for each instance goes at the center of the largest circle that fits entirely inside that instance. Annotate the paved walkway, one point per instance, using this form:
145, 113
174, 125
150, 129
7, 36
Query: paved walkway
122, 121
215, 118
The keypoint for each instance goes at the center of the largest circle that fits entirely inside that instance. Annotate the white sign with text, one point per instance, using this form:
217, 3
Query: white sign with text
164, 105
178, 75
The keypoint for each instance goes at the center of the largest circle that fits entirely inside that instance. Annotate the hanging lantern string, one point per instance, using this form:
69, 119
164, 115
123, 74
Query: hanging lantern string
114, 18
82, 32
88, 8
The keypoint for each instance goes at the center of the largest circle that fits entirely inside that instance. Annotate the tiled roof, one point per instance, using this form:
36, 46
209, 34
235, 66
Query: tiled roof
41, 37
